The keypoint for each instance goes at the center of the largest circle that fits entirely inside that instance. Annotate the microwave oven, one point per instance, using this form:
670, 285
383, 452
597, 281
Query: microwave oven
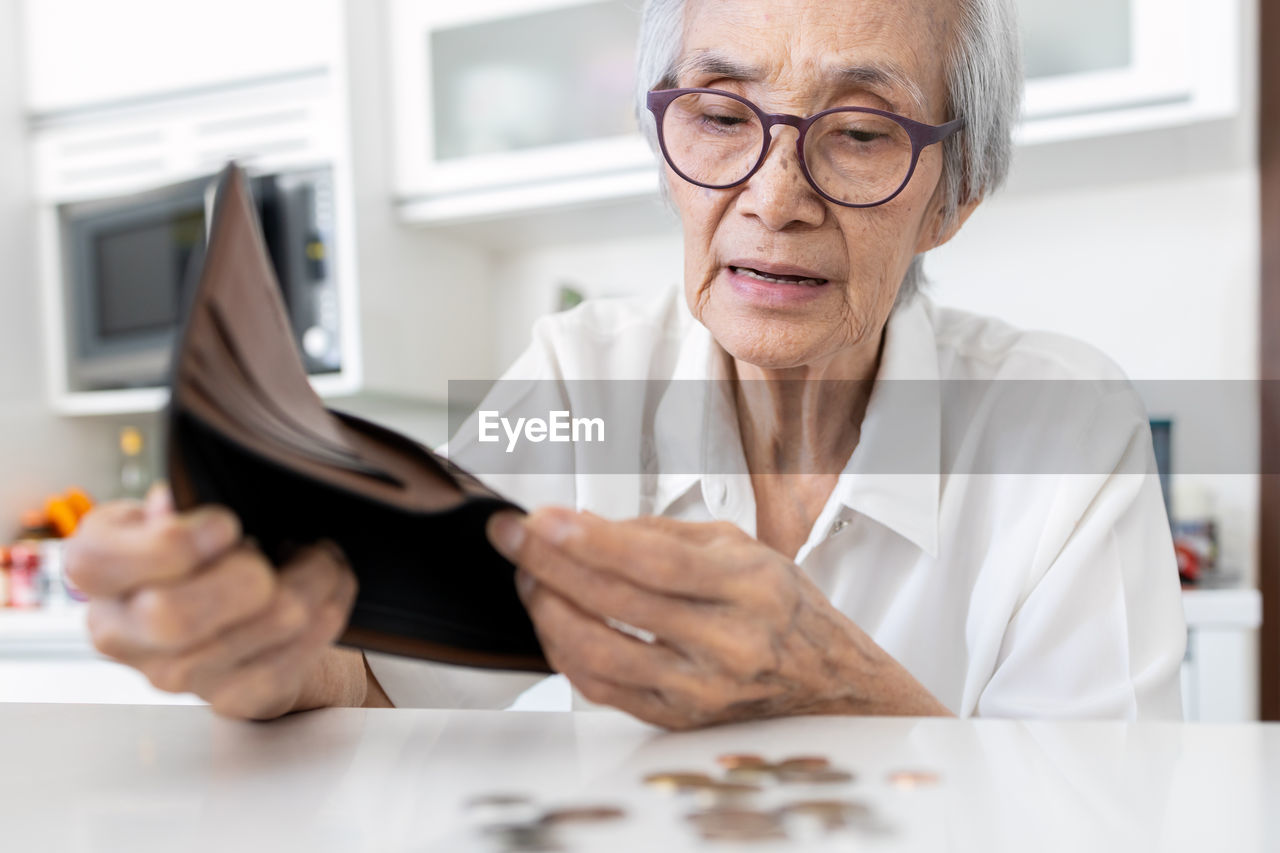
126, 266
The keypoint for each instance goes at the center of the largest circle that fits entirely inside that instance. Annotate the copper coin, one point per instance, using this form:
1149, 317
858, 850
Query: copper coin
582, 814
733, 761
677, 781
750, 775
823, 776
908, 780
803, 762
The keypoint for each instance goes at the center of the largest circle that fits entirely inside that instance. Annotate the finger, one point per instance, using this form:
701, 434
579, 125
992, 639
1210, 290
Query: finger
306, 585
640, 551
269, 684
159, 500
121, 548
675, 618
578, 644
318, 602
179, 615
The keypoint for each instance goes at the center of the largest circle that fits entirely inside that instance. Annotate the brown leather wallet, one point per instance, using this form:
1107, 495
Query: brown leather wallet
246, 430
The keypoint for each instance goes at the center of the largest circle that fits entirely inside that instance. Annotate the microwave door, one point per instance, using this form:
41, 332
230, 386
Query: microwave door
127, 262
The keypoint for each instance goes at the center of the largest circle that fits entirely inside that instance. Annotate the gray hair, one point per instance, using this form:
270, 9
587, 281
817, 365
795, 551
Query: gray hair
984, 84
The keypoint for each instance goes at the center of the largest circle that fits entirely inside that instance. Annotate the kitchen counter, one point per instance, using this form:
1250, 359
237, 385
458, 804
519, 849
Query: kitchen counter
125, 778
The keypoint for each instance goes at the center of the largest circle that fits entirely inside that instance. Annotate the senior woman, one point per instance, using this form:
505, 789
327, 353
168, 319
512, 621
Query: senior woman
814, 153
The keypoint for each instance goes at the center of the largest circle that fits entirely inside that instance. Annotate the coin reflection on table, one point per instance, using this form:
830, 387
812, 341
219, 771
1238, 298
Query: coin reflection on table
730, 824
523, 838
907, 780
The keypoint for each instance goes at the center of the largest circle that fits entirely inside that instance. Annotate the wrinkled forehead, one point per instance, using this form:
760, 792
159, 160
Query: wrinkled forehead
894, 49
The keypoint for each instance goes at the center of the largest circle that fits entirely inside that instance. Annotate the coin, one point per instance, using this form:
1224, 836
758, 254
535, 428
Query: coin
678, 781
582, 814
750, 775
821, 776
908, 780
735, 760
732, 824
803, 762
829, 814
720, 793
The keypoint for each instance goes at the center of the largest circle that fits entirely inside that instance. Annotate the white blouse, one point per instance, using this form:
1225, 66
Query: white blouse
999, 528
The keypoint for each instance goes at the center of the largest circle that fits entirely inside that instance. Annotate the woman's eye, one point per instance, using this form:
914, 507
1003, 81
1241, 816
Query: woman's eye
723, 120
863, 135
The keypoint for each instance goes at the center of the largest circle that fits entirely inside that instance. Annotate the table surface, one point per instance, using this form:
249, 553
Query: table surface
134, 778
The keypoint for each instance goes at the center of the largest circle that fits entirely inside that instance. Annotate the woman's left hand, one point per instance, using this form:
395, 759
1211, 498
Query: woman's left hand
687, 624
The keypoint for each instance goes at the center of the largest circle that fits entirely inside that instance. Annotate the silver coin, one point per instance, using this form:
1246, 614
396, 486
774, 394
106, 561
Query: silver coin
735, 824
582, 814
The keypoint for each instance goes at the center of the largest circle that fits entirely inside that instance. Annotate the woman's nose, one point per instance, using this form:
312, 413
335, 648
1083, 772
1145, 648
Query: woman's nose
778, 194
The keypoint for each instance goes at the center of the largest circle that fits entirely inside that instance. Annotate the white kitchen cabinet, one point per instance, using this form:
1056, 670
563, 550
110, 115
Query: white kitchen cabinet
506, 106
1097, 67
491, 96
411, 303
84, 53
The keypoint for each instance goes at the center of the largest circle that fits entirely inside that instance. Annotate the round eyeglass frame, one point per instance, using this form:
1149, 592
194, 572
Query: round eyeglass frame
921, 136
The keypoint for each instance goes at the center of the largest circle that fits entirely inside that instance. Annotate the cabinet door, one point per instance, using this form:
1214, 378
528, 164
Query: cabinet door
1095, 66
83, 53
495, 94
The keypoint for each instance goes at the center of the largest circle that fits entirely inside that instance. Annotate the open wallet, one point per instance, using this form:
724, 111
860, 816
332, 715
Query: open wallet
246, 430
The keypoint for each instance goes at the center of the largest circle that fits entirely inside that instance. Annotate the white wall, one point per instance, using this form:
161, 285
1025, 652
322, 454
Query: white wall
39, 453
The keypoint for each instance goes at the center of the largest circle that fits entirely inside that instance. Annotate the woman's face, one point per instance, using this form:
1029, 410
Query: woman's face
801, 57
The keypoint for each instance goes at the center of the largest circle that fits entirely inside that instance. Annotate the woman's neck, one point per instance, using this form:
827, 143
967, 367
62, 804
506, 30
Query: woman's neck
804, 420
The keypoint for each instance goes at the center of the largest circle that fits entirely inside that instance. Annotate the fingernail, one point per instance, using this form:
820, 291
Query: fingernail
213, 532
555, 525
506, 532
159, 500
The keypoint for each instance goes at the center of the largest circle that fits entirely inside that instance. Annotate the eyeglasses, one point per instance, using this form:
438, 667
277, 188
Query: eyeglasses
853, 156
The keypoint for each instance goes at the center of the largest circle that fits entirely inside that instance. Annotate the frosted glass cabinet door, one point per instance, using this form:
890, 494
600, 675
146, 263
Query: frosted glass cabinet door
499, 93
1095, 55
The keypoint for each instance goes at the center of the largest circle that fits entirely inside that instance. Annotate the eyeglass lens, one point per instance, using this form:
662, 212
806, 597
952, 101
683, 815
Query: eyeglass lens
854, 157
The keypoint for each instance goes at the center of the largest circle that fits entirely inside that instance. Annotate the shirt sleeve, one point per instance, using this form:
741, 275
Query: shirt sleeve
1099, 631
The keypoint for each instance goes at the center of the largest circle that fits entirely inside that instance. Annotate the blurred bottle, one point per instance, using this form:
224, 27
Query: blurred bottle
135, 473
24, 576
4, 576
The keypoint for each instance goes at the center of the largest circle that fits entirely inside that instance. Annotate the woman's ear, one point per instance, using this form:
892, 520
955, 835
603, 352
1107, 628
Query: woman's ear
935, 235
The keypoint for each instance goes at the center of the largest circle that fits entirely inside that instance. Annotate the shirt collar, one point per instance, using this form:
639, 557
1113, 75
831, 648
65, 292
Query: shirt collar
891, 477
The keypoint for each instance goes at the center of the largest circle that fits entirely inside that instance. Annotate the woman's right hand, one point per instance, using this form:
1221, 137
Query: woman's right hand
186, 601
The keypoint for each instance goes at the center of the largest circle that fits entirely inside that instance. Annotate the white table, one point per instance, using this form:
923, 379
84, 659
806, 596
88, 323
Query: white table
135, 778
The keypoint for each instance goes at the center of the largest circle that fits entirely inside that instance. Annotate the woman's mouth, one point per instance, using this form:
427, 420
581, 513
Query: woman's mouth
776, 278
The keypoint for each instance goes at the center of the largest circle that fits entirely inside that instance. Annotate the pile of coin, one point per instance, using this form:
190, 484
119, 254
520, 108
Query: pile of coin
514, 823
727, 805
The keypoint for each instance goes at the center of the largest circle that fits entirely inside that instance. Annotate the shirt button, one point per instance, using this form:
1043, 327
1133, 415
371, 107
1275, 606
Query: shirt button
840, 524
720, 493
